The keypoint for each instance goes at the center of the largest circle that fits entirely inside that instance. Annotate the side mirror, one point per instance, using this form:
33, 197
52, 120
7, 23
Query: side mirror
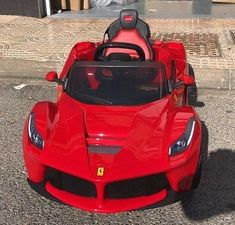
52, 76
185, 80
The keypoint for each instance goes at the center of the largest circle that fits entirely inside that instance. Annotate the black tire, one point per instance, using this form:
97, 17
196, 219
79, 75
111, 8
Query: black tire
191, 90
198, 174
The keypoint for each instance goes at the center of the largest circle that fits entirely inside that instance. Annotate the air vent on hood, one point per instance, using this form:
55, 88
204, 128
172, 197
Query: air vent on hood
100, 149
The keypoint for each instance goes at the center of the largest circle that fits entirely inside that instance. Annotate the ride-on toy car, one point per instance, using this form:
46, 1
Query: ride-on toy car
121, 135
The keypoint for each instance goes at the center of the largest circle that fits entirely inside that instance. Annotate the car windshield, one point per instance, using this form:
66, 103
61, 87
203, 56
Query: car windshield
117, 83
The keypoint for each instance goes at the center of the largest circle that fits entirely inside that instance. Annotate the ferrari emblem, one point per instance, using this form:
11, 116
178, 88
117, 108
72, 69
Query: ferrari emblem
100, 171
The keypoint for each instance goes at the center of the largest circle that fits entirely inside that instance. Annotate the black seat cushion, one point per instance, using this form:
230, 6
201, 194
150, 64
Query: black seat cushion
123, 57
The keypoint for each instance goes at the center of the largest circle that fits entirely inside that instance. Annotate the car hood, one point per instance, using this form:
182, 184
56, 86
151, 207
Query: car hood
109, 136
109, 122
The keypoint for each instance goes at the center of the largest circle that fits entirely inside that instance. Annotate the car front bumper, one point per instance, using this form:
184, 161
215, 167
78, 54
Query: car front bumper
124, 195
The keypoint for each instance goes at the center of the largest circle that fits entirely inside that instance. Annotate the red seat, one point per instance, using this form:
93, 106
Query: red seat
130, 29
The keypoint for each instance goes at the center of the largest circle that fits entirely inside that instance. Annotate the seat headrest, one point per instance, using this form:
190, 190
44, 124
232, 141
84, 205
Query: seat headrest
128, 18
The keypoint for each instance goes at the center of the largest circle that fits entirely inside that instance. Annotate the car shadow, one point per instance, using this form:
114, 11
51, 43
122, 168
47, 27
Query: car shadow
216, 192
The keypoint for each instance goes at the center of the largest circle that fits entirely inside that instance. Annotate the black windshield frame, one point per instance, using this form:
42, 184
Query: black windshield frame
90, 99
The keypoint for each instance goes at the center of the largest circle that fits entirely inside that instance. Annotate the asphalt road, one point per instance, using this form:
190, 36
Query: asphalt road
212, 203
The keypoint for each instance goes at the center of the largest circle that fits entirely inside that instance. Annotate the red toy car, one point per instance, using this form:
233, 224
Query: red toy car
121, 135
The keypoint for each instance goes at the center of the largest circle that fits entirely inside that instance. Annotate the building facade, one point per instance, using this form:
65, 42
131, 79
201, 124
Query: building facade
33, 8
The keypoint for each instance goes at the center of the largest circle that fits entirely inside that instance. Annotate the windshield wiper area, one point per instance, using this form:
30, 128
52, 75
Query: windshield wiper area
94, 99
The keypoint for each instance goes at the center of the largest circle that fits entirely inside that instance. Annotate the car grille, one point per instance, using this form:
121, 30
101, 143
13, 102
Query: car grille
142, 186
137, 187
69, 183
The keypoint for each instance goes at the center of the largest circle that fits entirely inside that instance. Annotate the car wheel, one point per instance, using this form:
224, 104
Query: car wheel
198, 174
191, 90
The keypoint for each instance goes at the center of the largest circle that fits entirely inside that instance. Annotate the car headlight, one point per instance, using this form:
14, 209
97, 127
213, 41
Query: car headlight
183, 142
34, 136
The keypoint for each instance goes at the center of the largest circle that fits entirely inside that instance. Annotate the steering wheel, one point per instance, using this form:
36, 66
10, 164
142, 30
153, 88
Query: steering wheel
99, 54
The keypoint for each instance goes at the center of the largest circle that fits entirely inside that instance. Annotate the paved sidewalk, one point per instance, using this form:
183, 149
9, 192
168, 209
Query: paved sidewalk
29, 47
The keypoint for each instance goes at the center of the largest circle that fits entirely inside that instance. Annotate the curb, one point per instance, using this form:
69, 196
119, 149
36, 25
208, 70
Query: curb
26, 69
215, 78
206, 78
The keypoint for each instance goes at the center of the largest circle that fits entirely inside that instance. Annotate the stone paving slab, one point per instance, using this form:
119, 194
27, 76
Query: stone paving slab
210, 43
